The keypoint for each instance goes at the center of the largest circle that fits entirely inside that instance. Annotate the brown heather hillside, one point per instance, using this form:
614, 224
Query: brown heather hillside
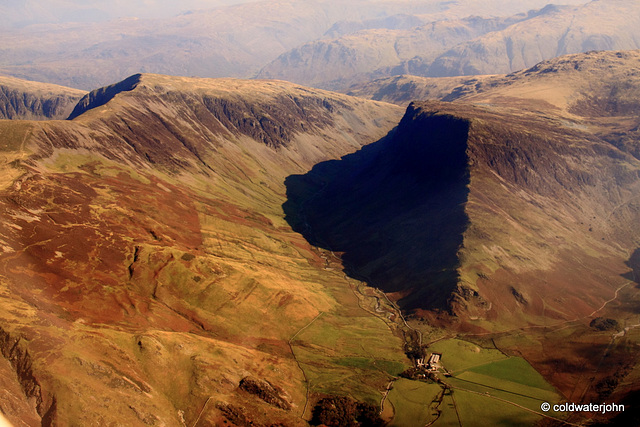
21, 99
147, 275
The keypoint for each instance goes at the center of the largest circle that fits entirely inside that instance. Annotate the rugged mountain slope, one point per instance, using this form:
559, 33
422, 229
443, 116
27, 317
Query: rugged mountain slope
20, 99
597, 25
148, 275
488, 198
509, 214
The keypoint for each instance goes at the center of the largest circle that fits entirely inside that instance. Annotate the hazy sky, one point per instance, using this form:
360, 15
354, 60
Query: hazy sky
18, 13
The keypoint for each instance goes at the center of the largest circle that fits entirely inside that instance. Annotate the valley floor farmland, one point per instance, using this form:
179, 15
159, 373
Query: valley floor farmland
481, 386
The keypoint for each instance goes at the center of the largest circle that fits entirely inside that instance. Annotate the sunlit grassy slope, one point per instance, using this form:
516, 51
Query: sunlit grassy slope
146, 266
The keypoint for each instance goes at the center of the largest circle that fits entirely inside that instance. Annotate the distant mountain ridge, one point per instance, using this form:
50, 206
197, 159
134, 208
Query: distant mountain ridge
473, 46
230, 41
598, 25
566, 85
363, 55
20, 99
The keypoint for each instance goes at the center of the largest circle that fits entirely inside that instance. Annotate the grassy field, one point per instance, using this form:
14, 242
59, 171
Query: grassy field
487, 388
516, 370
475, 409
414, 402
359, 351
458, 355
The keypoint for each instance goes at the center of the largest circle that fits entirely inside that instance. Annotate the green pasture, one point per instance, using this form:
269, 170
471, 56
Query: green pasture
414, 402
487, 387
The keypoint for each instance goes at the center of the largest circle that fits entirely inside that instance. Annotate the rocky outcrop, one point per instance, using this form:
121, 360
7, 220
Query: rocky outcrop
14, 349
266, 391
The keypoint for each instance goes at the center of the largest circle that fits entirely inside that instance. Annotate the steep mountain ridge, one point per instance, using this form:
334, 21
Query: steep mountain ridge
518, 201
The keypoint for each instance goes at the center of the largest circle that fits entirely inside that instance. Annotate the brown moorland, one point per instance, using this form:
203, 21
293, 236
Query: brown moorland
147, 272
148, 269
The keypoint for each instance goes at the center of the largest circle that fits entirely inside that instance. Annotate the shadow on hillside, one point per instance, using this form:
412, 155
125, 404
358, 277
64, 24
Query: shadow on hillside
394, 209
634, 263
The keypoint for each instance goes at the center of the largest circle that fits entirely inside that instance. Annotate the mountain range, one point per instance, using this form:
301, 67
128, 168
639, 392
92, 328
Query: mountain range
463, 47
222, 41
20, 99
185, 250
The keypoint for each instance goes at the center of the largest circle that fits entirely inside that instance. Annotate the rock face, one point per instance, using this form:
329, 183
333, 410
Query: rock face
99, 97
146, 265
386, 215
265, 391
23, 100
